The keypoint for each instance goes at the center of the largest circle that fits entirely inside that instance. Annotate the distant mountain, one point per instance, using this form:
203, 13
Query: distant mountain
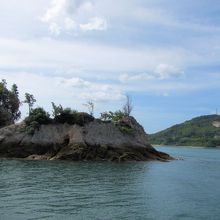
200, 131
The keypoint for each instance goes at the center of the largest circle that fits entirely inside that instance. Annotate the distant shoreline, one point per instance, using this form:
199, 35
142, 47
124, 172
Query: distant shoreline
183, 146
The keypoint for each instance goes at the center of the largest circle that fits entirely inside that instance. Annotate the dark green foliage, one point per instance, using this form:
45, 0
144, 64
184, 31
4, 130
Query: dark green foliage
57, 110
9, 104
126, 129
62, 116
125, 125
83, 118
5, 117
196, 132
70, 116
66, 115
73, 117
37, 117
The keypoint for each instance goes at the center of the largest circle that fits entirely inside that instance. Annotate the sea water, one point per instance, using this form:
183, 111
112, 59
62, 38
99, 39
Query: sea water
181, 189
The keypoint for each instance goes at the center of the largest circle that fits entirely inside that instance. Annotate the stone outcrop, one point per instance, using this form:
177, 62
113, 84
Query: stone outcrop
96, 140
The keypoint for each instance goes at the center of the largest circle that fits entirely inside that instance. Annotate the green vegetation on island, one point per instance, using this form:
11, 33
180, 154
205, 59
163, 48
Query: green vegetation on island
10, 113
200, 131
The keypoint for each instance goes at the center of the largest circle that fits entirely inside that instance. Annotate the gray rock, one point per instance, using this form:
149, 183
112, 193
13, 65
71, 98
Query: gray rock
96, 140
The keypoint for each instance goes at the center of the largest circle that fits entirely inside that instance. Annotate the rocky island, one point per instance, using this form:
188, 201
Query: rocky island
95, 140
69, 134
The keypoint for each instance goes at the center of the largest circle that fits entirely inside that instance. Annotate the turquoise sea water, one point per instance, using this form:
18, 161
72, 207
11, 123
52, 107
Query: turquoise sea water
182, 189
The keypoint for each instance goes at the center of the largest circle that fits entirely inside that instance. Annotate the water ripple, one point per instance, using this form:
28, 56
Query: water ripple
85, 190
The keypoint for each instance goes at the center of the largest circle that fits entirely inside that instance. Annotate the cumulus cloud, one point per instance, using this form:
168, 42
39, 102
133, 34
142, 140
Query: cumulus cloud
103, 95
95, 23
75, 82
162, 71
99, 92
73, 16
57, 8
165, 71
93, 58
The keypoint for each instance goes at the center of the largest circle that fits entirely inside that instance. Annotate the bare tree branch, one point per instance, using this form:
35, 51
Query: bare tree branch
127, 108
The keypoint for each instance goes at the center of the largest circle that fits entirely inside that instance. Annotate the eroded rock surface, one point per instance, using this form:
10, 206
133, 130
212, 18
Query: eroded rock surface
96, 140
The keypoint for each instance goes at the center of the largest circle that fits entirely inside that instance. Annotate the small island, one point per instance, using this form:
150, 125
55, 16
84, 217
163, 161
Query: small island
71, 135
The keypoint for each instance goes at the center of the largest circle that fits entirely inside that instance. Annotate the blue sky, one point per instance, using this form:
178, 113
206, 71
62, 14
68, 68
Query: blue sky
163, 53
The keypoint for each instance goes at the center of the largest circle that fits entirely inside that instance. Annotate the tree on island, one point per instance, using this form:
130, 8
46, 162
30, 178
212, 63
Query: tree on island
9, 104
119, 114
30, 100
90, 106
127, 108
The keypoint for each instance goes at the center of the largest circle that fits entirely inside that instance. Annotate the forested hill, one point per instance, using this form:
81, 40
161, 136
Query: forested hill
200, 131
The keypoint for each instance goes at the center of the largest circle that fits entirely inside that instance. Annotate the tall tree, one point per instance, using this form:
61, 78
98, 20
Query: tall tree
15, 102
57, 110
90, 105
30, 100
9, 104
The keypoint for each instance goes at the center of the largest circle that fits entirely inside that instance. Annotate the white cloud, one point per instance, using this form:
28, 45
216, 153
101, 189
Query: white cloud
93, 58
98, 62
75, 82
54, 29
98, 92
70, 24
95, 23
166, 71
162, 71
57, 8
73, 16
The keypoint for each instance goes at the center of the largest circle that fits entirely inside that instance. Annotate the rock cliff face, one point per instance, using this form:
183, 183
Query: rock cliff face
96, 140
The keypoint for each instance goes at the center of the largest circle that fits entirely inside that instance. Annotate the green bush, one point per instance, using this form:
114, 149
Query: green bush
119, 117
66, 115
70, 116
112, 116
83, 118
37, 117
126, 129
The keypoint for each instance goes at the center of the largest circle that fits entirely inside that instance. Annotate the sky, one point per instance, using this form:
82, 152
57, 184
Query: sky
164, 54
